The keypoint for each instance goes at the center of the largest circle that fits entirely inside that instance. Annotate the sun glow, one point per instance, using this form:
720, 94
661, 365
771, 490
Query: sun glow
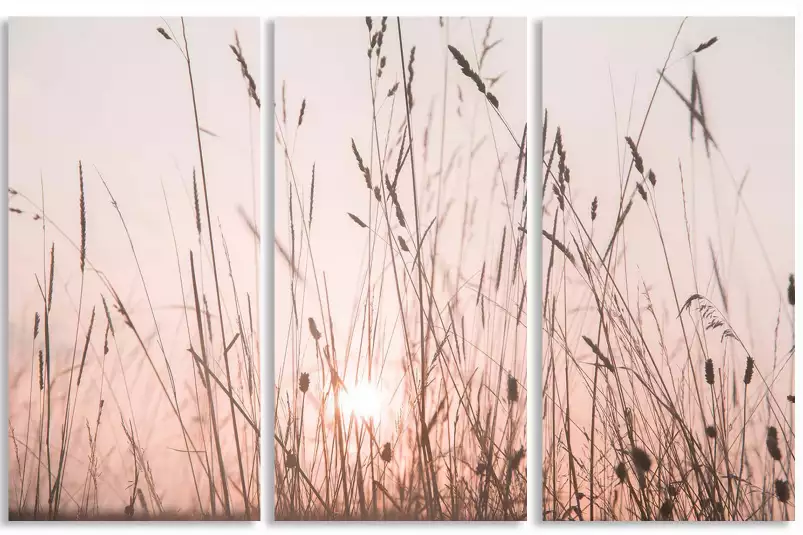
362, 400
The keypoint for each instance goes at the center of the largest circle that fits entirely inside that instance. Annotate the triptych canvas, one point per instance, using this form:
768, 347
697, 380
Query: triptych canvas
321, 276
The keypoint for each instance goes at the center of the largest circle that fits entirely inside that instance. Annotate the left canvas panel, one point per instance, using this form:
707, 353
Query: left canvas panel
133, 194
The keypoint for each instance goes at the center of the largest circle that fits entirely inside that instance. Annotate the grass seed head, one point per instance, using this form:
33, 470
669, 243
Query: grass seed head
512, 389
303, 382
301, 112
703, 46
748, 370
621, 471
642, 191
386, 454
790, 291
515, 460
772, 443
782, 490
313, 329
641, 459
41, 370
357, 220
665, 513
492, 99
291, 461
82, 207
637, 161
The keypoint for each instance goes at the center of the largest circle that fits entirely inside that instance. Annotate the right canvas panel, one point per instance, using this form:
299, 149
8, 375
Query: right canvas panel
668, 284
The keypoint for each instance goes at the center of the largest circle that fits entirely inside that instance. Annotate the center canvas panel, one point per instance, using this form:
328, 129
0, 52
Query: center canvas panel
400, 269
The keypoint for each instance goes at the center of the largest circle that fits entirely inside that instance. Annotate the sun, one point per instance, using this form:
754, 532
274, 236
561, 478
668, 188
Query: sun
362, 400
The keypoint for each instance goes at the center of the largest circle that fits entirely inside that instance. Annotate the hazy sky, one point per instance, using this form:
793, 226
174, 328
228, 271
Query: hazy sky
598, 77
115, 94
